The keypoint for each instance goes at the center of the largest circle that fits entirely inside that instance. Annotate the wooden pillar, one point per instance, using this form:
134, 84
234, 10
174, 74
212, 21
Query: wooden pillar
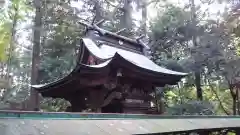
159, 100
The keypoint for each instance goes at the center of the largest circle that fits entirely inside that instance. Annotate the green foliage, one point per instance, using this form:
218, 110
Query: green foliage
18, 64
5, 37
59, 43
182, 101
192, 108
172, 18
54, 105
171, 34
14, 11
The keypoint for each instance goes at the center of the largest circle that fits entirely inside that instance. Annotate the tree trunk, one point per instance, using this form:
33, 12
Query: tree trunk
11, 47
144, 17
233, 94
98, 12
34, 96
237, 102
13, 32
198, 85
197, 73
234, 106
126, 18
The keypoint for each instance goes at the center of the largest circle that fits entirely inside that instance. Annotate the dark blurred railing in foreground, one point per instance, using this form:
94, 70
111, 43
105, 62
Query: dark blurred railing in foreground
61, 123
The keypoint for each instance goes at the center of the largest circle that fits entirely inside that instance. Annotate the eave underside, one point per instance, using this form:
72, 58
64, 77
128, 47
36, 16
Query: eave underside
84, 76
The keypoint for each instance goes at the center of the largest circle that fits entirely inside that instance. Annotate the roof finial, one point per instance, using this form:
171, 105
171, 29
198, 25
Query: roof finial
139, 40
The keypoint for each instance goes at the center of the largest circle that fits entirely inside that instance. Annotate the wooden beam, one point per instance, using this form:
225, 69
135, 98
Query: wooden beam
106, 33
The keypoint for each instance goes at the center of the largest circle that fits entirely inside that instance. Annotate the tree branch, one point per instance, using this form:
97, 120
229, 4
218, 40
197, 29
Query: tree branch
219, 100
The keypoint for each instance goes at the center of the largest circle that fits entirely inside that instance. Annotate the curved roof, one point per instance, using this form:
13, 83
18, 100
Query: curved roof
137, 63
108, 52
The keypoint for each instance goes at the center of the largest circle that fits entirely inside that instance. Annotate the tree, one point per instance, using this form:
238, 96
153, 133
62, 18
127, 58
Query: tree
170, 35
14, 51
172, 31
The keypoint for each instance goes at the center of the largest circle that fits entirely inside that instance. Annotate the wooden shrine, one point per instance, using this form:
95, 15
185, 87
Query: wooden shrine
112, 75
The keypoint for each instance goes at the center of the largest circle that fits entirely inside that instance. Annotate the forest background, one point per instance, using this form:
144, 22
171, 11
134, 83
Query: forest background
39, 41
